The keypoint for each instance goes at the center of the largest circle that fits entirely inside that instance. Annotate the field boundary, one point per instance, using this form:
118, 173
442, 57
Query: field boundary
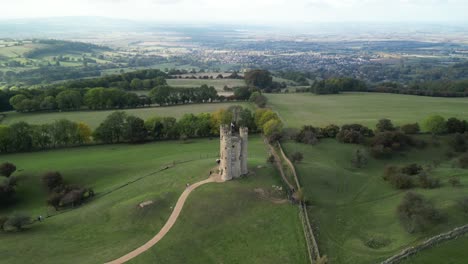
429, 243
303, 210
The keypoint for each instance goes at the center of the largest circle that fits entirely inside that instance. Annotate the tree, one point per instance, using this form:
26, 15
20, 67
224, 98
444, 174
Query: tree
220, 117
273, 129
84, 133
455, 125
21, 136
259, 78
135, 130
458, 143
242, 93
384, 125
48, 103
68, 100
330, 131
410, 128
435, 124
7, 168
6, 138
17, 222
160, 94
259, 99
112, 128
136, 84
16, 101
417, 213
297, 157
52, 180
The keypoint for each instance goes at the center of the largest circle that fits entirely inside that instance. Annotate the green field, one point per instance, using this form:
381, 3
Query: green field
94, 118
221, 223
350, 207
297, 110
218, 84
451, 252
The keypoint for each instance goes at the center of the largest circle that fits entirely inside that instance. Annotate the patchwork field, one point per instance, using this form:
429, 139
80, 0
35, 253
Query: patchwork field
112, 225
94, 118
297, 110
354, 210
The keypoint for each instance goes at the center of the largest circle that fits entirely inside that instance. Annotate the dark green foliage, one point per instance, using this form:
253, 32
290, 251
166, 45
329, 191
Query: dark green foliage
386, 143
242, 93
410, 128
7, 190
308, 135
7, 168
69, 100
17, 222
52, 180
412, 169
401, 180
463, 161
259, 99
166, 95
330, 131
455, 181
297, 156
134, 130
455, 125
428, 182
417, 213
458, 142
353, 134
337, 85
112, 129
384, 125
463, 203
259, 78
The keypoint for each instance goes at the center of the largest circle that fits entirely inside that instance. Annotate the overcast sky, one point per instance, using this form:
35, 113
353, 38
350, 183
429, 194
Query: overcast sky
256, 11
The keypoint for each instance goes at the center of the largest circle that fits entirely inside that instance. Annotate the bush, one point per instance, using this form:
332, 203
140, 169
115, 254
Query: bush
417, 214
458, 143
463, 161
436, 125
3, 220
412, 169
330, 131
308, 135
354, 134
427, 182
17, 222
410, 128
52, 180
384, 125
385, 143
271, 158
359, 159
297, 157
7, 168
401, 181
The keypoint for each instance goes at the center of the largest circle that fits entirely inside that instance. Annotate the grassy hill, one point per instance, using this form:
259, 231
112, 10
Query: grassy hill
94, 118
297, 110
354, 208
113, 224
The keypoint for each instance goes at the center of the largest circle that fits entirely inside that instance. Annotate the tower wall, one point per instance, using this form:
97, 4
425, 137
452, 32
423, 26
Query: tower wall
244, 135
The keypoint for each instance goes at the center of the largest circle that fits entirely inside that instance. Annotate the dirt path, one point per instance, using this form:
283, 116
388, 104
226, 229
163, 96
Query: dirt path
170, 222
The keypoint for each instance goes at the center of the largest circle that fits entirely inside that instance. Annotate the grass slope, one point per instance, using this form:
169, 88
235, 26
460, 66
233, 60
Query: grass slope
352, 206
451, 252
94, 118
297, 110
112, 225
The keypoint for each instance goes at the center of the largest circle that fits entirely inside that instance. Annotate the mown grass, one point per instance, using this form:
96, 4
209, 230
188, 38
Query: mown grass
94, 118
297, 110
221, 217
350, 207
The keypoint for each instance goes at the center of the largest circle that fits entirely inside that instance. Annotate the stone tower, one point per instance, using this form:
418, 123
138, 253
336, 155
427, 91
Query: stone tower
233, 152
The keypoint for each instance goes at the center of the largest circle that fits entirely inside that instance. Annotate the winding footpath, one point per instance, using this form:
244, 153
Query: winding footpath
170, 222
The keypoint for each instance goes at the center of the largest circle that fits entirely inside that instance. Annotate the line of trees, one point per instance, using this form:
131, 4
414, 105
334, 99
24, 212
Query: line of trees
119, 127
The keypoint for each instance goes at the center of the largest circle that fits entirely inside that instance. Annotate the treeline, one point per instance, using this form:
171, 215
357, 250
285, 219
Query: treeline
433, 88
52, 46
119, 127
49, 74
114, 98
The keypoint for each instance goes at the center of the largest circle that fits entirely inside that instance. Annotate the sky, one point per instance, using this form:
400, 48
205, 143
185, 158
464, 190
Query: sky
246, 11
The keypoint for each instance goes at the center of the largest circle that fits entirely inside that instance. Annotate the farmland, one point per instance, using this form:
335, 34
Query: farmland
297, 110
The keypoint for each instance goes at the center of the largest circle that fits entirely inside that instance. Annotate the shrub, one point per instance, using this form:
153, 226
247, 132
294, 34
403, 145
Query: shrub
308, 135
385, 143
435, 124
271, 158
354, 133
463, 161
427, 182
410, 128
455, 125
389, 171
17, 222
455, 181
401, 181
458, 143
7, 168
297, 156
330, 131
359, 159
384, 125
52, 180
417, 213
412, 169
3, 220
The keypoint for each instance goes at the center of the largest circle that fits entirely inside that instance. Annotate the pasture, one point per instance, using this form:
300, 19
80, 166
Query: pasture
297, 110
111, 225
218, 84
94, 118
354, 210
